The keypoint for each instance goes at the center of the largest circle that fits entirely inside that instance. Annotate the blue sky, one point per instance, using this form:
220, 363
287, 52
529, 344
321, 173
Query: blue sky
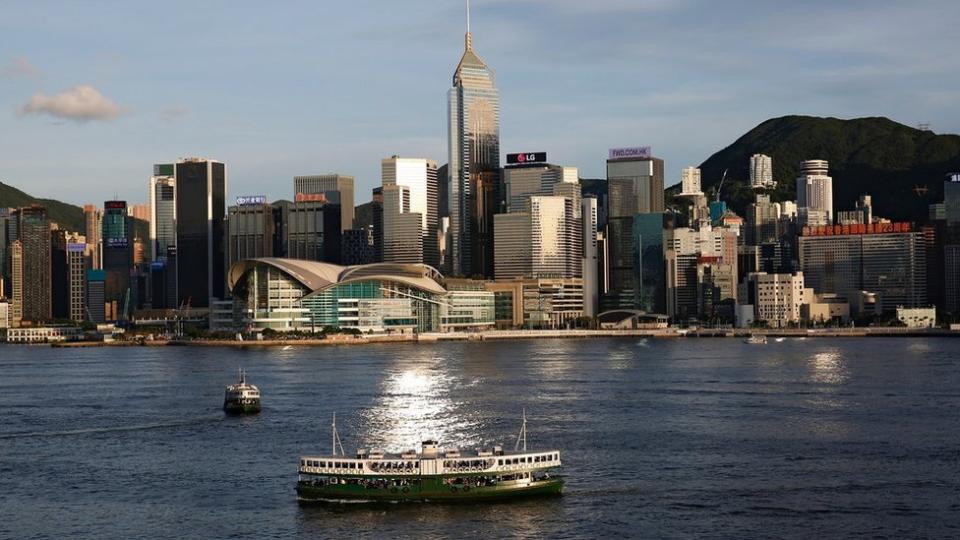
93, 93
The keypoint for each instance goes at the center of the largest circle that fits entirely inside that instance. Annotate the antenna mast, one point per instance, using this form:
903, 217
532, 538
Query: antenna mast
336, 437
522, 436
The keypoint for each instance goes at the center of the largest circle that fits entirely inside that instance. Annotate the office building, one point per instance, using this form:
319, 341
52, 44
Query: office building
163, 210
309, 229
16, 283
690, 182
36, 265
117, 258
522, 181
325, 183
96, 296
635, 186
5, 321
77, 262
545, 240
473, 121
761, 171
59, 281
815, 192
886, 259
93, 219
200, 210
763, 218
411, 186
591, 256
402, 238
376, 209
251, 229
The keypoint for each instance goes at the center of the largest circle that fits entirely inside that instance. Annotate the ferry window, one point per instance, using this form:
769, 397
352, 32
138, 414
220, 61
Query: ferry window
499, 462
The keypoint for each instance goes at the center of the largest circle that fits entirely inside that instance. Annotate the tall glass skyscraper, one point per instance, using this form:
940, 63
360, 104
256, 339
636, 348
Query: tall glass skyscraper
474, 154
200, 210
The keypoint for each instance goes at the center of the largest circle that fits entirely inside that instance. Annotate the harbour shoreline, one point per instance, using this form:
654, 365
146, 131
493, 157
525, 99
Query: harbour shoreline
498, 335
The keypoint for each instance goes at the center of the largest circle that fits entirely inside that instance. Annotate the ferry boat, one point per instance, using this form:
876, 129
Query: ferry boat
241, 398
431, 475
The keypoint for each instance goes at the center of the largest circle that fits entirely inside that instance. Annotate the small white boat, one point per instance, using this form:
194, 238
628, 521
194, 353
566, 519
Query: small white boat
756, 340
779, 339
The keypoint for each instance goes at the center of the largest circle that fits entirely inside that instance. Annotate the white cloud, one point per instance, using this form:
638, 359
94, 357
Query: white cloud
20, 67
81, 103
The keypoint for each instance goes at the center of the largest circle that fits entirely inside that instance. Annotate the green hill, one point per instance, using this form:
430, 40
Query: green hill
68, 216
875, 156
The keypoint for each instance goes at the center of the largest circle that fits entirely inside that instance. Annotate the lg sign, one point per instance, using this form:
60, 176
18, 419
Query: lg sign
526, 157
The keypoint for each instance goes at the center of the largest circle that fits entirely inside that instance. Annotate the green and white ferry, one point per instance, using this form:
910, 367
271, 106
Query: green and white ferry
241, 398
433, 474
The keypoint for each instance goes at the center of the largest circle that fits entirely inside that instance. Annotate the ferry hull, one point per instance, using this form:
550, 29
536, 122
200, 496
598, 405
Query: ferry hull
429, 490
236, 407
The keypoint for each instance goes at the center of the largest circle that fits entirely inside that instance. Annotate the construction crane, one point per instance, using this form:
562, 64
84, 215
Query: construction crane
720, 185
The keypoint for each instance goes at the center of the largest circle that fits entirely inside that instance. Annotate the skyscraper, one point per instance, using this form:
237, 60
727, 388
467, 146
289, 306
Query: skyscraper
635, 186
35, 269
117, 258
93, 217
591, 270
16, 283
76, 281
323, 183
200, 210
419, 176
473, 120
815, 190
163, 211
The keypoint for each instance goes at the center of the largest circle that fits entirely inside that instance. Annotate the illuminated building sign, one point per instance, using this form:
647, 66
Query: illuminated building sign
526, 157
115, 205
870, 228
637, 152
311, 197
248, 200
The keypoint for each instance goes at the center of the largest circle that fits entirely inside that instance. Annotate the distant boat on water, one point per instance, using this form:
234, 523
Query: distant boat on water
241, 398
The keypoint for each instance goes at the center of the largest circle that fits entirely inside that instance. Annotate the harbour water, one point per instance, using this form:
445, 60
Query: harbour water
660, 438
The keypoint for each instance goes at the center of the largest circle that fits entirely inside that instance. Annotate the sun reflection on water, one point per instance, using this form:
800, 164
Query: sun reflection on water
829, 367
416, 402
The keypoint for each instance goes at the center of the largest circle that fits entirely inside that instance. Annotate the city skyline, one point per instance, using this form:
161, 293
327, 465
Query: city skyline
710, 81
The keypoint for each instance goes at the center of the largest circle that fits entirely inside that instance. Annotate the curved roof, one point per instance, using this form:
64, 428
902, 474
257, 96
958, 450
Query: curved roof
311, 274
317, 276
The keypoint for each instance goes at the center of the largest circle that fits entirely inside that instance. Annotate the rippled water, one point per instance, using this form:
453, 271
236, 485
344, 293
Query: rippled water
660, 438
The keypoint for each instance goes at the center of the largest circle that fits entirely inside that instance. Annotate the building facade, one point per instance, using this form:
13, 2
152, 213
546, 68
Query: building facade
163, 211
36, 264
635, 187
761, 171
473, 121
201, 231
419, 177
286, 294
888, 260
117, 258
543, 241
251, 229
815, 190
325, 183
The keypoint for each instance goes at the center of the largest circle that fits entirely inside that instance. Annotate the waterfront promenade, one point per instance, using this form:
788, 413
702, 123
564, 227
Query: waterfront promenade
499, 335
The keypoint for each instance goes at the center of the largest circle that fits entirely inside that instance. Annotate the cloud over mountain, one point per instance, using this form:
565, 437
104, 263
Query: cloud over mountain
82, 103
